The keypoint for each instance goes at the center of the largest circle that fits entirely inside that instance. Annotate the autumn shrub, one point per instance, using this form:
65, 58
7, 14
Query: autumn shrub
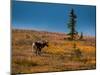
76, 53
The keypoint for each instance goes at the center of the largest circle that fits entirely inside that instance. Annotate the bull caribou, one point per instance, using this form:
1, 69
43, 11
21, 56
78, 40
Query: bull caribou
37, 46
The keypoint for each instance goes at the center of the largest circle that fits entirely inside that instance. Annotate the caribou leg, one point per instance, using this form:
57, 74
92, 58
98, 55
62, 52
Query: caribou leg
36, 51
39, 52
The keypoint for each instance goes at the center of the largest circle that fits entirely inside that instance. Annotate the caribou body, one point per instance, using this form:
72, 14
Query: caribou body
38, 45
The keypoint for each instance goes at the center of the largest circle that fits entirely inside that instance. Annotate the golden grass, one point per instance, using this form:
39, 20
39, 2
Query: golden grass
55, 57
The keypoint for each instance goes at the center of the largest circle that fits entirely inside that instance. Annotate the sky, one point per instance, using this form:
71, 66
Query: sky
52, 17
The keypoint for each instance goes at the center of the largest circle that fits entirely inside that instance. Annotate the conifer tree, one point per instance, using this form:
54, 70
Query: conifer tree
72, 24
81, 36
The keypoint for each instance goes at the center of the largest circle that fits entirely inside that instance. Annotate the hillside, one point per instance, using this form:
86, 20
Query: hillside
56, 57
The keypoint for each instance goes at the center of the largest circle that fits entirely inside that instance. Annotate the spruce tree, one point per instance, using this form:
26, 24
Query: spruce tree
72, 24
81, 36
